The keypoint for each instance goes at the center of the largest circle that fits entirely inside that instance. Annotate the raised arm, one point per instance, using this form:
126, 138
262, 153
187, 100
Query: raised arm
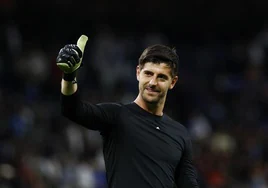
93, 116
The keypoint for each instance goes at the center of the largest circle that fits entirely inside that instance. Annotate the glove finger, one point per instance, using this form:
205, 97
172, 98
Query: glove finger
76, 55
68, 55
65, 58
74, 47
60, 57
73, 53
70, 60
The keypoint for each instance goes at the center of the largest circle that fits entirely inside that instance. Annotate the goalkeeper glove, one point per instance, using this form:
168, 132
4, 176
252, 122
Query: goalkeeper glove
69, 59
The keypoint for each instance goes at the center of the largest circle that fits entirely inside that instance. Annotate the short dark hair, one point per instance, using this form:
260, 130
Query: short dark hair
160, 54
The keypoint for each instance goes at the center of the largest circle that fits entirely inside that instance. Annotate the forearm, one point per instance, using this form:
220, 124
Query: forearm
92, 116
68, 87
71, 105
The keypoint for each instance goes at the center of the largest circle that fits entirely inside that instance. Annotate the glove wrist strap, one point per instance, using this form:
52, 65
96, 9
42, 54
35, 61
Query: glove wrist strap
70, 77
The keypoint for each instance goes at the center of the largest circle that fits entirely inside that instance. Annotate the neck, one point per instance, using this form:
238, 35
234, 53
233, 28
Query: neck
153, 108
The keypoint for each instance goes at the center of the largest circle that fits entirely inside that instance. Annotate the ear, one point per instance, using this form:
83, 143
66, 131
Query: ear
173, 82
138, 73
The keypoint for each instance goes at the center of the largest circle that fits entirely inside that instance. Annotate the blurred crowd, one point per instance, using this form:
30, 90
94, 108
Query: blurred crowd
221, 97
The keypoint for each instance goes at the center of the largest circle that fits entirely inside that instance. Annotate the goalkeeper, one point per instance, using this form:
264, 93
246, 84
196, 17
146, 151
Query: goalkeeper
143, 147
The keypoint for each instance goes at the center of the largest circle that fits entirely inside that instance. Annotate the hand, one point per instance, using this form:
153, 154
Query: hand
70, 56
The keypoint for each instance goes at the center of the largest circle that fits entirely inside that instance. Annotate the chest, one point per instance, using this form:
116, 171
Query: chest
152, 138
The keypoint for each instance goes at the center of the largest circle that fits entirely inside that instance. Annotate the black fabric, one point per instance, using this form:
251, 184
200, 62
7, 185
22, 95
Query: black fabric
141, 150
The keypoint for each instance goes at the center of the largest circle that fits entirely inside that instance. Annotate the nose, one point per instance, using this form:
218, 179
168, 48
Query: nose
153, 82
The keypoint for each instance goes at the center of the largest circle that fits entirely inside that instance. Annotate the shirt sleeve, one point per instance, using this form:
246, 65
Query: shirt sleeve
185, 175
101, 116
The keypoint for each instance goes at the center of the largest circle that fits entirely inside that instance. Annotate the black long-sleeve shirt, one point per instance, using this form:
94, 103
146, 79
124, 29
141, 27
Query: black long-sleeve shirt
141, 150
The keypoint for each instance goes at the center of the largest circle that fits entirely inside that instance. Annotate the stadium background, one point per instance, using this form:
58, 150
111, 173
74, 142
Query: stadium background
222, 95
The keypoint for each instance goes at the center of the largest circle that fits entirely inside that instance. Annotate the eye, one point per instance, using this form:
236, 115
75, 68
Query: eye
162, 77
148, 73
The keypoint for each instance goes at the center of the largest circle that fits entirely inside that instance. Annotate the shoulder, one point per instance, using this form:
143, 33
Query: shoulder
109, 107
114, 107
110, 104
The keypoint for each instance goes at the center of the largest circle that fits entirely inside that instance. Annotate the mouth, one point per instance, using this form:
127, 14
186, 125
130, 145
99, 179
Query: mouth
150, 90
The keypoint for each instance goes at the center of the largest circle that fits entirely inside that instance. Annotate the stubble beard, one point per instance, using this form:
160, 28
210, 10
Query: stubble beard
155, 99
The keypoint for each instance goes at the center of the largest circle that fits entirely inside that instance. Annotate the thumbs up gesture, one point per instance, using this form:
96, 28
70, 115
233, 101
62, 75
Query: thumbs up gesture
70, 56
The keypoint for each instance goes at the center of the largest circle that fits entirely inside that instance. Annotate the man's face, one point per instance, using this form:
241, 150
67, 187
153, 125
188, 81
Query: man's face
154, 81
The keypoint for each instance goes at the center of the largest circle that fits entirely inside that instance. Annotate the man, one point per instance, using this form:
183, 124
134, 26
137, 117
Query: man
142, 146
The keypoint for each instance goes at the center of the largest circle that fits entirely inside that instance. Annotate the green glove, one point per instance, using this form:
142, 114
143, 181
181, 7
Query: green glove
70, 56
